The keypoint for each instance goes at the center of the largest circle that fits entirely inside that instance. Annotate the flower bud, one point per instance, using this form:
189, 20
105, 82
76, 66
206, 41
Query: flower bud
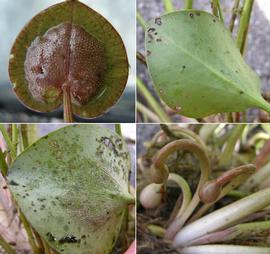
151, 196
210, 192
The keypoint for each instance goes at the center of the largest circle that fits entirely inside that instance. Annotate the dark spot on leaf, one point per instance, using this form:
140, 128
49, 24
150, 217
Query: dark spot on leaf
158, 39
69, 239
241, 92
151, 29
50, 236
198, 14
13, 183
155, 33
158, 21
191, 15
214, 20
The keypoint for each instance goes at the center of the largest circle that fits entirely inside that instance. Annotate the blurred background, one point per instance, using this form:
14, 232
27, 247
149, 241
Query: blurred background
257, 53
15, 14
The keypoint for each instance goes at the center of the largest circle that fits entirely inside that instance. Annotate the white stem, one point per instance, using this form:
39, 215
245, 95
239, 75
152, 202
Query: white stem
223, 217
224, 249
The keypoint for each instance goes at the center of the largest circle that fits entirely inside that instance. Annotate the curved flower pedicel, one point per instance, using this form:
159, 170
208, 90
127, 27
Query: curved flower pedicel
160, 173
69, 54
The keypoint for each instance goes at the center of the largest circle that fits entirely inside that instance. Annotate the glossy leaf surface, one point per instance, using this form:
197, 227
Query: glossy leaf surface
196, 67
72, 186
69, 43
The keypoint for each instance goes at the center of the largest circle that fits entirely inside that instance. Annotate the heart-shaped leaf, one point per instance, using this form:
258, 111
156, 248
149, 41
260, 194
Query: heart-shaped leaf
71, 45
196, 67
72, 186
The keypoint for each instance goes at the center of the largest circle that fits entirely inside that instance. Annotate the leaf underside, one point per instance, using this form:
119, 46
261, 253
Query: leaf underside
196, 67
115, 78
72, 186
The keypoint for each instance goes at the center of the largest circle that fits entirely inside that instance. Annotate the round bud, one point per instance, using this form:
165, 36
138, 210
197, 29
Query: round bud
151, 196
209, 192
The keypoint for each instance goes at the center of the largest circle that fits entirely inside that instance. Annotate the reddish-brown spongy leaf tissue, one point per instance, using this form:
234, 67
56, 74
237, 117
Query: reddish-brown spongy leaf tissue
65, 55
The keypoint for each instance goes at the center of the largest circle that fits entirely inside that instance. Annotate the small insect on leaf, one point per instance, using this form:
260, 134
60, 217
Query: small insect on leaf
72, 186
69, 44
196, 64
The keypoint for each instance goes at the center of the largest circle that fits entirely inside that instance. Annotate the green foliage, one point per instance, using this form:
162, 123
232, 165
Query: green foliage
196, 67
72, 186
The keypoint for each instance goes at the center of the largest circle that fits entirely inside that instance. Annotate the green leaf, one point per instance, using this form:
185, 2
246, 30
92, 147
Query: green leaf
72, 186
196, 67
69, 43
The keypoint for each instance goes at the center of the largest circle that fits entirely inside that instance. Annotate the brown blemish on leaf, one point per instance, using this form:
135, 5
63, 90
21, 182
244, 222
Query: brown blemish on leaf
158, 21
151, 29
65, 54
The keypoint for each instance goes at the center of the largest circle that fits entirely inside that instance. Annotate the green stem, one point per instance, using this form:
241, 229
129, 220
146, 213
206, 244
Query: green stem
145, 111
244, 24
220, 11
118, 130
152, 102
236, 194
234, 14
186, 192
29, 232
8, 141
214, 8
168, 6
6, 246
156, 230
141, 20
15, 140
188, 4
3, 163
226, 156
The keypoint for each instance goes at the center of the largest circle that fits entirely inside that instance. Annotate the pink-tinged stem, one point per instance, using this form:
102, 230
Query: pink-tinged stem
132, 248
